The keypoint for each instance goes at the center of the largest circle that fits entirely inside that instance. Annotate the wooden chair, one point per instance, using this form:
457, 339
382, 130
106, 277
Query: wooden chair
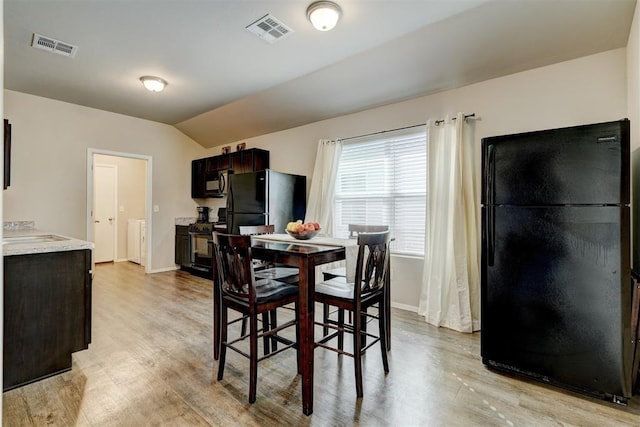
369, 289
354, 230
268, 270
241, 291
264, 269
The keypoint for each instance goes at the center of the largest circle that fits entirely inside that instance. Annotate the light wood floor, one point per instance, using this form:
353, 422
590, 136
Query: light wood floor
150, 363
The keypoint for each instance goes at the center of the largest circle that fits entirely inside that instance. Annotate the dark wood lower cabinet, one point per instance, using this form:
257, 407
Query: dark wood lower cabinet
47, 314
183, 246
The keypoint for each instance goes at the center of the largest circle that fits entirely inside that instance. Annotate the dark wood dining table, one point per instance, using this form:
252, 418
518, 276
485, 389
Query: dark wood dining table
305, 256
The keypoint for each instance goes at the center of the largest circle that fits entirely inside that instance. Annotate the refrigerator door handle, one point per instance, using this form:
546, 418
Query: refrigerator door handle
490, 217
230, 204
491, 246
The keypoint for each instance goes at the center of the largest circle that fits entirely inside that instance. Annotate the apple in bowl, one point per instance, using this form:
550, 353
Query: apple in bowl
302, 231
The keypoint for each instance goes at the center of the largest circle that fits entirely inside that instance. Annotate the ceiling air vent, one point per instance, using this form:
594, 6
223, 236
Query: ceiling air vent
53, 45
269, 29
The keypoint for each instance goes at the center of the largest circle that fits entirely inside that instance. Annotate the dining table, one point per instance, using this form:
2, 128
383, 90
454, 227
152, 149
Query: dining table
306, 255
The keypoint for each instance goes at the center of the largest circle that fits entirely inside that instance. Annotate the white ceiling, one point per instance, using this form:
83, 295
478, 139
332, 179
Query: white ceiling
226, 84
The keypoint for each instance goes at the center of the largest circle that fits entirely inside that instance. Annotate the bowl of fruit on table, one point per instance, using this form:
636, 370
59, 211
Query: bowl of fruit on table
302, 231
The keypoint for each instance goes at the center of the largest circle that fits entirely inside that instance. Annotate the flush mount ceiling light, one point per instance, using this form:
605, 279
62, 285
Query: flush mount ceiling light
153, 84
324, 15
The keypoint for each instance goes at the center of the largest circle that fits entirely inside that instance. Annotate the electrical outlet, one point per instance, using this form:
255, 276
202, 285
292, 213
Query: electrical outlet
156, 208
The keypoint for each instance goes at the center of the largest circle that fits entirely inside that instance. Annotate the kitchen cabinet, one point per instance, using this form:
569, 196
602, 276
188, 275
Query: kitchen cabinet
217, 163
47, 313
250, 161
203, 170
198, 179
183, 246
7, 153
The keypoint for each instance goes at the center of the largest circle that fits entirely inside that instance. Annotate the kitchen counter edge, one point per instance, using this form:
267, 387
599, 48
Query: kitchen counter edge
69, 244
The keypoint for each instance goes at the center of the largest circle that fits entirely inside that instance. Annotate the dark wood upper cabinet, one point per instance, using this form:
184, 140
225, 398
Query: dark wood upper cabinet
198, 168
250, 161
203, 170
7, 153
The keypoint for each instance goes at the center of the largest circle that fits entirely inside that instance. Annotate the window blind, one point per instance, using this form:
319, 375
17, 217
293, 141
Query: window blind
382, 180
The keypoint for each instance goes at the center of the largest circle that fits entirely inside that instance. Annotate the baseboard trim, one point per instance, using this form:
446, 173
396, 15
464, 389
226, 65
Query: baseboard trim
163, 270
404, 307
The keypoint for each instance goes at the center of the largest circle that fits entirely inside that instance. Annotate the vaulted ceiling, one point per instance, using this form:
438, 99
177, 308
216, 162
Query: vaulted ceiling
227, 84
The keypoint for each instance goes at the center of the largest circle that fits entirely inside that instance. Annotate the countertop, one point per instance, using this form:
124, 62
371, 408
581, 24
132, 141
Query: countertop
185, 220
66, 244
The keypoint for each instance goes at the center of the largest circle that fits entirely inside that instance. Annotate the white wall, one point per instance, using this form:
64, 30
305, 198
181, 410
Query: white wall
48, 166
51, 139
586, 90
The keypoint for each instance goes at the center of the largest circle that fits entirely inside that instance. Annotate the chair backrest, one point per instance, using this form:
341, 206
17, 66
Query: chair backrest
257, 229
253, 230
355, 229
234, 268
373, 263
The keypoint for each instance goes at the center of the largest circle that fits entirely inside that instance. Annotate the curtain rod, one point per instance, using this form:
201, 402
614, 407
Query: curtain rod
466, 116
437, 122
381, 132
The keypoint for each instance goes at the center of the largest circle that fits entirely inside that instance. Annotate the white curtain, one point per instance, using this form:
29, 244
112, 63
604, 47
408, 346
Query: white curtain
451, 279
320, 204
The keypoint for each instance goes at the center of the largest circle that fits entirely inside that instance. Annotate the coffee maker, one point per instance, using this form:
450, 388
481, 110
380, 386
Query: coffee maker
203, 214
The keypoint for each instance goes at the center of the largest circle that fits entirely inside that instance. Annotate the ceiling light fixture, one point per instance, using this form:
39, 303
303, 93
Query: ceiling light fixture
324, 15
153, 84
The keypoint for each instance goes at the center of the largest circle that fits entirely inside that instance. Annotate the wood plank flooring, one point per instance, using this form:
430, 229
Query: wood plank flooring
151, 363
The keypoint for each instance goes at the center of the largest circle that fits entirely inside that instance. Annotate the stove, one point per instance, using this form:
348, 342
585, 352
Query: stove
204, 226
201, 246
201, 227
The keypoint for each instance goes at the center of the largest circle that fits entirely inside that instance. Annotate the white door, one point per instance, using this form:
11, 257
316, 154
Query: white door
104, 212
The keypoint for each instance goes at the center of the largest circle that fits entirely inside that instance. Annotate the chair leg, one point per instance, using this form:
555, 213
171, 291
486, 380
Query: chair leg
386, 310
383, 340
325, 319
223, 341
243, 328
298, 352
217, 325
266, 326
363, 323
253, 357
387, 315
274, 324
357, 350
341, 325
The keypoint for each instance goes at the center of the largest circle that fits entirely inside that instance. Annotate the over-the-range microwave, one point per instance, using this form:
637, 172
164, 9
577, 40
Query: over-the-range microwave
217, 183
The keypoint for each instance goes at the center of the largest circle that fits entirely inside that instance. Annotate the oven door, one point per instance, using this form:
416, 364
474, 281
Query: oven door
201, 251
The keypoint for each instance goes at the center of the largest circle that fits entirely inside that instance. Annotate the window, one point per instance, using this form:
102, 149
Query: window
382, 180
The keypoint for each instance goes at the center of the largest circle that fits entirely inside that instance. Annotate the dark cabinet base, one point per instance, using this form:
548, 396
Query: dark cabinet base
47, 314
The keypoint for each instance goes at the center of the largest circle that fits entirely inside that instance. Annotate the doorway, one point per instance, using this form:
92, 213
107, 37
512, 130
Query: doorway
112, 209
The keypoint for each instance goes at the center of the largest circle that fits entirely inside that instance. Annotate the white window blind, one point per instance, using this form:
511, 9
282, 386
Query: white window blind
382, 180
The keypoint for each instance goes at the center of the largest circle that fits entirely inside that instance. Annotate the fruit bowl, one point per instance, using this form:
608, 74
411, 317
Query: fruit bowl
303, 235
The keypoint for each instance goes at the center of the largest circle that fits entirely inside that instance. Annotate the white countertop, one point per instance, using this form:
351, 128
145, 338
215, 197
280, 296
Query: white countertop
24, 248
185, 220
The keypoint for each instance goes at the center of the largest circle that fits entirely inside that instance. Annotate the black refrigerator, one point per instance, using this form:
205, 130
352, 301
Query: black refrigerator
265, 197
556, 285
